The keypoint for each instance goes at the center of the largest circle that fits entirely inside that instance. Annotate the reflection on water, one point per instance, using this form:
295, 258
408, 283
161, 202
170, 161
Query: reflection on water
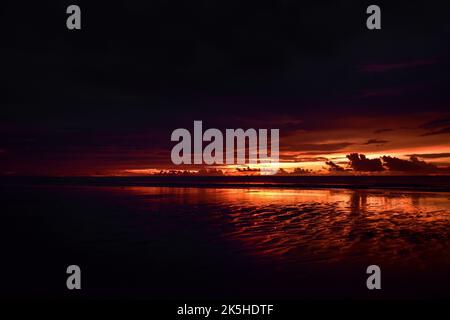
319, 225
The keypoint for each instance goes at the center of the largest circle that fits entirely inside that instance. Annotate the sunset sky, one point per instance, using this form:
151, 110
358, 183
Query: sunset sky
104, 100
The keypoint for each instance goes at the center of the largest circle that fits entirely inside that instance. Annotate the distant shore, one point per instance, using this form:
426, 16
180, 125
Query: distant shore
411, 183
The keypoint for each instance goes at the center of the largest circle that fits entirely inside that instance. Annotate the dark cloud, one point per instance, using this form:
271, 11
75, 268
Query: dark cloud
315, 153
248, 169
430, 155
334, 167
210, 172
437, 126
440, 131
376, 141
437, 123
296, 172
326, 147
414, 165
310, 159
301, 171
359, 162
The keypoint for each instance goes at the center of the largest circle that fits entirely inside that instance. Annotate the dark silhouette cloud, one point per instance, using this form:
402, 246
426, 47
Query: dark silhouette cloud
437, 123
309, 159
297, 172
248, 169
210, 172
201, 172
334, 167
317, 146
301, 171
412, 165
359, 162
430, 155
440, 131
438, 126
376, 141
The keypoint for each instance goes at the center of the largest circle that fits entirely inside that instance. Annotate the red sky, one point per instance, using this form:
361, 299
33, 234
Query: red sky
105, 101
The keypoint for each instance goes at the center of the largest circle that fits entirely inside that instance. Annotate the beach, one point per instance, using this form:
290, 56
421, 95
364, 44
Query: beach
172, 242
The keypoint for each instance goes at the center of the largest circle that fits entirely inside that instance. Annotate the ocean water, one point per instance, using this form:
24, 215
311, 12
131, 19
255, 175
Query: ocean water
320, 225
179, 242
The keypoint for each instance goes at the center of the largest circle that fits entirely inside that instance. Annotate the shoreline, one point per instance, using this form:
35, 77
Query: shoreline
395, 183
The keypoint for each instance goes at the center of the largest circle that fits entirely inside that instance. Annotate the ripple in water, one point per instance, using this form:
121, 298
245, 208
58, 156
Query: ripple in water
304, 226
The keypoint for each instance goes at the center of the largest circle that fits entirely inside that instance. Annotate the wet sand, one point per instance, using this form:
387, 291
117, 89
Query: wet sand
185, 243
